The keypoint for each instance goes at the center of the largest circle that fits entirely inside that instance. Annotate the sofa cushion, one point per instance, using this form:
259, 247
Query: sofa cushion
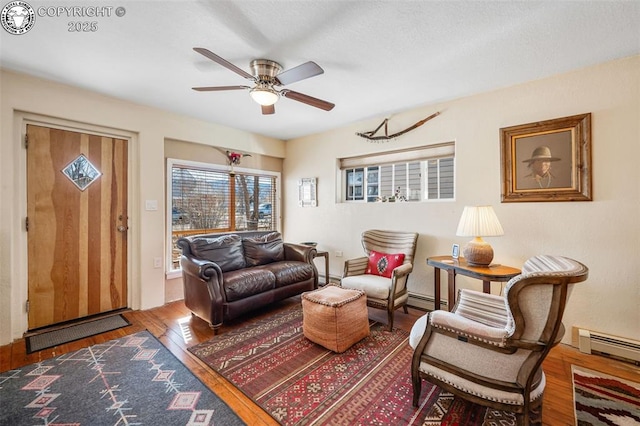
246, 282
263, 249
226, 251
289, 272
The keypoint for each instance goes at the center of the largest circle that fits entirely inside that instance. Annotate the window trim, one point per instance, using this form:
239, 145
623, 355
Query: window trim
173, 162
408, 155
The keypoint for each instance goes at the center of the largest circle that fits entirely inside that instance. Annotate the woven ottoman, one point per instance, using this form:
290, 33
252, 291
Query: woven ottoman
335, 317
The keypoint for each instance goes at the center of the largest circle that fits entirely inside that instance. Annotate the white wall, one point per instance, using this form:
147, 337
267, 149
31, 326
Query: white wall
23, 96
604, 234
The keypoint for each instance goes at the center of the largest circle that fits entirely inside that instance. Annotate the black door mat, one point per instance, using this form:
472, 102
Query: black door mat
64, 335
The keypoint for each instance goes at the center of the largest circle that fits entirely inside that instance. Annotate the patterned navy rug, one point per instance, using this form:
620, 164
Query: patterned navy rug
128, 381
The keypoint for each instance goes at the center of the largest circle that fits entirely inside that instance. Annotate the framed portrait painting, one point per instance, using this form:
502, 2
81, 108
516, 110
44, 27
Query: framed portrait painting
547, 161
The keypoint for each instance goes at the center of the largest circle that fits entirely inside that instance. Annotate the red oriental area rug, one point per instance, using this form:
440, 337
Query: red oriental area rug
301, 383
601, 399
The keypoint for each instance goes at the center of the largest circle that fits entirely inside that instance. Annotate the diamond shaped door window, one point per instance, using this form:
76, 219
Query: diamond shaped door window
81, 172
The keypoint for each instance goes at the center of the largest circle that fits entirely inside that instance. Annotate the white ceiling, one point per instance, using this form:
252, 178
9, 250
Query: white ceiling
379, 57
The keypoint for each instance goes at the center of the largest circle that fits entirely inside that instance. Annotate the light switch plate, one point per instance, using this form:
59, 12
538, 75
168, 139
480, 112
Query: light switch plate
151, 205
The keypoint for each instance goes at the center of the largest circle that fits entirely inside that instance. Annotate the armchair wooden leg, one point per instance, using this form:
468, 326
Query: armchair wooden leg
390, 320
417, 387
406, 311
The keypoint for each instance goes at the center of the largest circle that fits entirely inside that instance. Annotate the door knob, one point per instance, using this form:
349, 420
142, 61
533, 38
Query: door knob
122, 228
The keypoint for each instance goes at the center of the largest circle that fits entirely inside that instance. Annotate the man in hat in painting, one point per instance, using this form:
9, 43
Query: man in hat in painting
539, 165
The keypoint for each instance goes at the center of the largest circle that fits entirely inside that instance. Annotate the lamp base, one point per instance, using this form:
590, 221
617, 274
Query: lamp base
477, 252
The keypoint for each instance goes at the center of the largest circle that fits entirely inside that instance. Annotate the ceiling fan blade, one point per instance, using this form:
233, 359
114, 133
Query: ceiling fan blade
306, 70
306, 99
209, 54
268, 109
219, 88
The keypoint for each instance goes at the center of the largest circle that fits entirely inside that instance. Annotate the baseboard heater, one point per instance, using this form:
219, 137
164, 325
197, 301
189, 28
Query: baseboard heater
619, 347
424, 302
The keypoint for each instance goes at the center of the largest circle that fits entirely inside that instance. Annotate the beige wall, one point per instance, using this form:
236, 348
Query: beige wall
23, 98
604, 234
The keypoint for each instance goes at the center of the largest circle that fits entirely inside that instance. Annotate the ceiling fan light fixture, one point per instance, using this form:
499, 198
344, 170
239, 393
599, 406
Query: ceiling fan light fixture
264, 95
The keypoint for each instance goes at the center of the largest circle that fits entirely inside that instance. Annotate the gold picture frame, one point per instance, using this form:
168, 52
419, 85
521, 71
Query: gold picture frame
547, 160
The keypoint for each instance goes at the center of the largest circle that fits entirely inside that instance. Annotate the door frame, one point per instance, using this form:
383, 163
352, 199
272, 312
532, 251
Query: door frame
20, 289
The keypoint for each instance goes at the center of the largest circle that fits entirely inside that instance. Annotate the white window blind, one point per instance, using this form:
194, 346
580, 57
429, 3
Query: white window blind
206, 200
398, 175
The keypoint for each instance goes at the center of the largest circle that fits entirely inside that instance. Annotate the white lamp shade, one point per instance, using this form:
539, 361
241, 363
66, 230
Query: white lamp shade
264, 96
479, 221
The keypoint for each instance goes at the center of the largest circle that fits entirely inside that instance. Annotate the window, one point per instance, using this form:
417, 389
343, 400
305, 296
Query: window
206, 198
425, 173
439, 179
355, 184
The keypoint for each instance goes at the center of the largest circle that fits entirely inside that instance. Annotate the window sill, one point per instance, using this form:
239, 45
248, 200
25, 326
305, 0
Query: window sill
172, 275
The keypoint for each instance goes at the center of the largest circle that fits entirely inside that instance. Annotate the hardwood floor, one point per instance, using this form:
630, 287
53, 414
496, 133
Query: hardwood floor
174, 326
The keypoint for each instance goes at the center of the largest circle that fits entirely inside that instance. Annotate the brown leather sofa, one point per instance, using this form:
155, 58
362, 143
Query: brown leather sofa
226, 275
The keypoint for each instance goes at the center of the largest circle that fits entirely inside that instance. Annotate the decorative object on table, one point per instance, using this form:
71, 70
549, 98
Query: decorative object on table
268, 76
478, 222
547, 160
383, 273
269, 360
307, 192
603, 399
455, 251
372, 137
397, 196
490, 348
130, 380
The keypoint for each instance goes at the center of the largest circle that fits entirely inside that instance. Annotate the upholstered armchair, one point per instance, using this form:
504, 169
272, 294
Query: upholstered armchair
383, 273
490, 348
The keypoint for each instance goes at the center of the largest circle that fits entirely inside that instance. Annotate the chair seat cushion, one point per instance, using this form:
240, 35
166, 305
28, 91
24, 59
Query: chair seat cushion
374, 286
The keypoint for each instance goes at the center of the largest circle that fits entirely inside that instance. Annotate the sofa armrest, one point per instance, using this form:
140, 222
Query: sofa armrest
355, 266
203, 269
203, 289
299, 252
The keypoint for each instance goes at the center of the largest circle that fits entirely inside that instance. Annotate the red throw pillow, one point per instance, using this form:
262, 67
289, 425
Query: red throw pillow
383, 264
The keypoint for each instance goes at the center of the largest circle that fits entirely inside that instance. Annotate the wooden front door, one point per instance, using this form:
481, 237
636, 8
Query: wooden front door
76, 223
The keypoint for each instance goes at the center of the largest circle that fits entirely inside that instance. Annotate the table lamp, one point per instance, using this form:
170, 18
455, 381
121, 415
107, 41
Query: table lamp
478, 222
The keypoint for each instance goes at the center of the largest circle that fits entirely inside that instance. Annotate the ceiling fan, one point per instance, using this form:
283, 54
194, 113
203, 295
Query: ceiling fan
267, 75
